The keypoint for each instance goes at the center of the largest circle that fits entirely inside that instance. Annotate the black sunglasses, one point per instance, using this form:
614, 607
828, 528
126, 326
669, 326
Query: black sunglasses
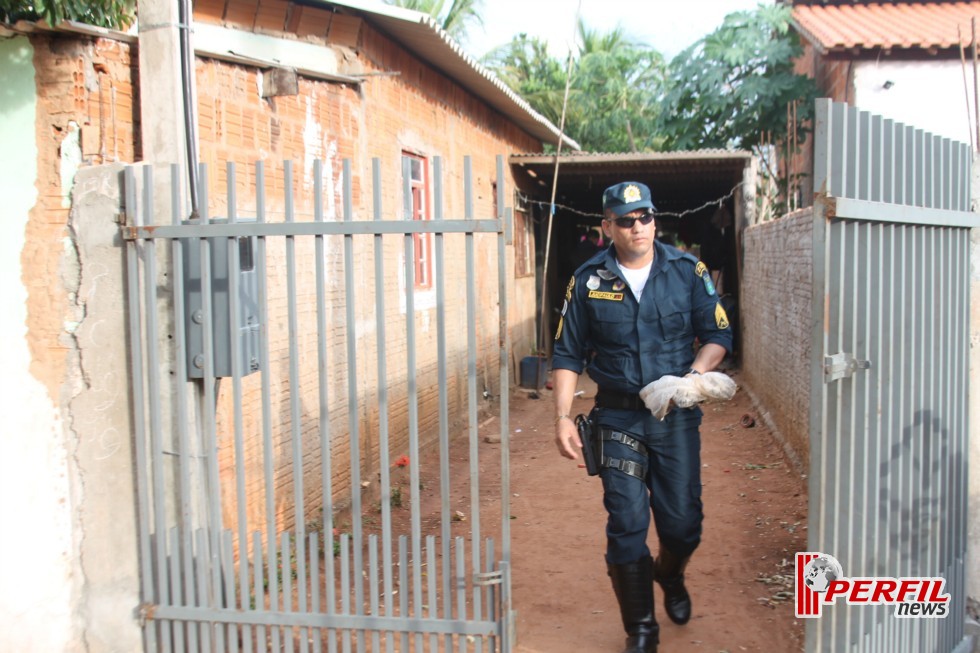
627, 223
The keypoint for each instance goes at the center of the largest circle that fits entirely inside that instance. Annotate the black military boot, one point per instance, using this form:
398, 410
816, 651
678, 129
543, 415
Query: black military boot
633, 584
670, 574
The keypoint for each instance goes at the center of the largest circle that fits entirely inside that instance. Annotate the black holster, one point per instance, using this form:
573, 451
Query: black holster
591, 444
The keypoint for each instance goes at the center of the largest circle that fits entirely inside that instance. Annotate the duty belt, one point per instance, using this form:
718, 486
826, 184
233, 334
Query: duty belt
631, 467
621, 400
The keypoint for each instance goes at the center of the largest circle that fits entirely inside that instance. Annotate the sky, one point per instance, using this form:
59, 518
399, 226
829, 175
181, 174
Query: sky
668, 26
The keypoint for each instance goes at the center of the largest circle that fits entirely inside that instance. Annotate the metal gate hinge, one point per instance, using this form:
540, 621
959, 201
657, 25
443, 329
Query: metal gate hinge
842, 365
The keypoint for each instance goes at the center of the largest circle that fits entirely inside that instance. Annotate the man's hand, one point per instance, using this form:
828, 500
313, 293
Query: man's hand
566, 437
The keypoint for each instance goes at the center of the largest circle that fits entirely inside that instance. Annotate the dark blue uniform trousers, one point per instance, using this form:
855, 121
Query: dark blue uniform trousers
671, 489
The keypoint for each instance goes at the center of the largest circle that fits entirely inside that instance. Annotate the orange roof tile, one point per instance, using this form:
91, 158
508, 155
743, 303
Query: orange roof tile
903, 25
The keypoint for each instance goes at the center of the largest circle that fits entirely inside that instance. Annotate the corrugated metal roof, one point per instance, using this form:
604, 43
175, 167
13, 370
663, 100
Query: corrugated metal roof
878, 25
421, 34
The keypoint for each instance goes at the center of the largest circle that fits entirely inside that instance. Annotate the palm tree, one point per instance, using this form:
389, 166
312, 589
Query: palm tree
454, 21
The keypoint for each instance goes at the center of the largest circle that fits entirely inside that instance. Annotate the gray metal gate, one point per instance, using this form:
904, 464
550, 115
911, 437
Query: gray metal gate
279, 368
889, 383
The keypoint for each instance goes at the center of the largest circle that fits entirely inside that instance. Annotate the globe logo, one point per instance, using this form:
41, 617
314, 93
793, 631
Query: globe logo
818, 573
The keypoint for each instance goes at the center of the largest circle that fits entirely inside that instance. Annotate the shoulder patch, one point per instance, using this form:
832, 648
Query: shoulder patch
721, 317
701, 270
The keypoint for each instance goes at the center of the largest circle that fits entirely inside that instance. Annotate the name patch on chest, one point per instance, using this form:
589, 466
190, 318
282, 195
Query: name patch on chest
612, 296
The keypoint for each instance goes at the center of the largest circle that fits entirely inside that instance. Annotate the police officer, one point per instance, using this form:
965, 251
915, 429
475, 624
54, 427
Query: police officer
632, 314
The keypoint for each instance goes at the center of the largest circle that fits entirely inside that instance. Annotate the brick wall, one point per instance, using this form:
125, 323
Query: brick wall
777, 280
417, 111
833, 78
85, 90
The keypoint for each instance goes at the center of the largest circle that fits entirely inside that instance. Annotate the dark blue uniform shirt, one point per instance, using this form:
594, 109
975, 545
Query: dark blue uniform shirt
624, 344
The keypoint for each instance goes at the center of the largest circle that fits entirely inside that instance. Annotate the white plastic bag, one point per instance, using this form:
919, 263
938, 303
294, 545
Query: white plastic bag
686, 391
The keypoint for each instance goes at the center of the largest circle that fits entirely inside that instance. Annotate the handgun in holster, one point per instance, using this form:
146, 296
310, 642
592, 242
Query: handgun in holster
591, 444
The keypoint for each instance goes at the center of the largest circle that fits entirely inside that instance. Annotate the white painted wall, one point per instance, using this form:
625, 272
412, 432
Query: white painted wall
928, 95
36, 560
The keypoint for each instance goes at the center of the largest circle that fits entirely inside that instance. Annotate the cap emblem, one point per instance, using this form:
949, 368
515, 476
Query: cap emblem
631, 194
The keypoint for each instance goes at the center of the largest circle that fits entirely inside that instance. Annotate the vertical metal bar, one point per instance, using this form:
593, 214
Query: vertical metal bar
841, 405
413, 408
258, 585
384, 433
314, 550
488, 567
966, 164
888, 155
851, 156
859, 419
268, 453
473, 347
323, 415
932, 417
907, 453
345, 588
201, 563
286, 571
185, 458
228, 574
179, 628
864, 170
432, 596
460, 583
963, 393
295, 409
877, 550
147, 585
445, 499
156, 428
506, 217
901, 163
943, 261
876, 159
352, 402
207, 410
234, 330
823, 171
919, 175
373, 588
403, 585
822, 160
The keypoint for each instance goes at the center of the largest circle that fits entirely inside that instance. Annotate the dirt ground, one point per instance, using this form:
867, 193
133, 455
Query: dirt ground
740, 578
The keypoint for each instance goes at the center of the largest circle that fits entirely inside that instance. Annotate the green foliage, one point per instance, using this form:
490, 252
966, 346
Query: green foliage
525, 66
731, 89
613, 91
455, 19
114, 14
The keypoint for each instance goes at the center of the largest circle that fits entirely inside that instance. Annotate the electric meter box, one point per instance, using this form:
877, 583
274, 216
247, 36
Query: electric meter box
245, 342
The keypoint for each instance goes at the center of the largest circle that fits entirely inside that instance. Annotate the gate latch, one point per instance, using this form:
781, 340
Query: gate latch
842, 365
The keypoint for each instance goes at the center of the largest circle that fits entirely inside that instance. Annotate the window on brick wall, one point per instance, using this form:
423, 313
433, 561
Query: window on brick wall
417, 205
523, 239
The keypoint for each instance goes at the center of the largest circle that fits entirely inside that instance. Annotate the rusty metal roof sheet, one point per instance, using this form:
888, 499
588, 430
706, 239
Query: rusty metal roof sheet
925, 26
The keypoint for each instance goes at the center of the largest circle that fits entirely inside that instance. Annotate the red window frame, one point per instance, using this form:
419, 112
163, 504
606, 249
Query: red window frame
419, 188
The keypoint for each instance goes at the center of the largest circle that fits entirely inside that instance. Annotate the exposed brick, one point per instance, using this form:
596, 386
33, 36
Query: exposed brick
775, 309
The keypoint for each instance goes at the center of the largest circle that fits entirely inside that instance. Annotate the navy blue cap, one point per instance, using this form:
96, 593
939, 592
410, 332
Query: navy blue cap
627, 196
